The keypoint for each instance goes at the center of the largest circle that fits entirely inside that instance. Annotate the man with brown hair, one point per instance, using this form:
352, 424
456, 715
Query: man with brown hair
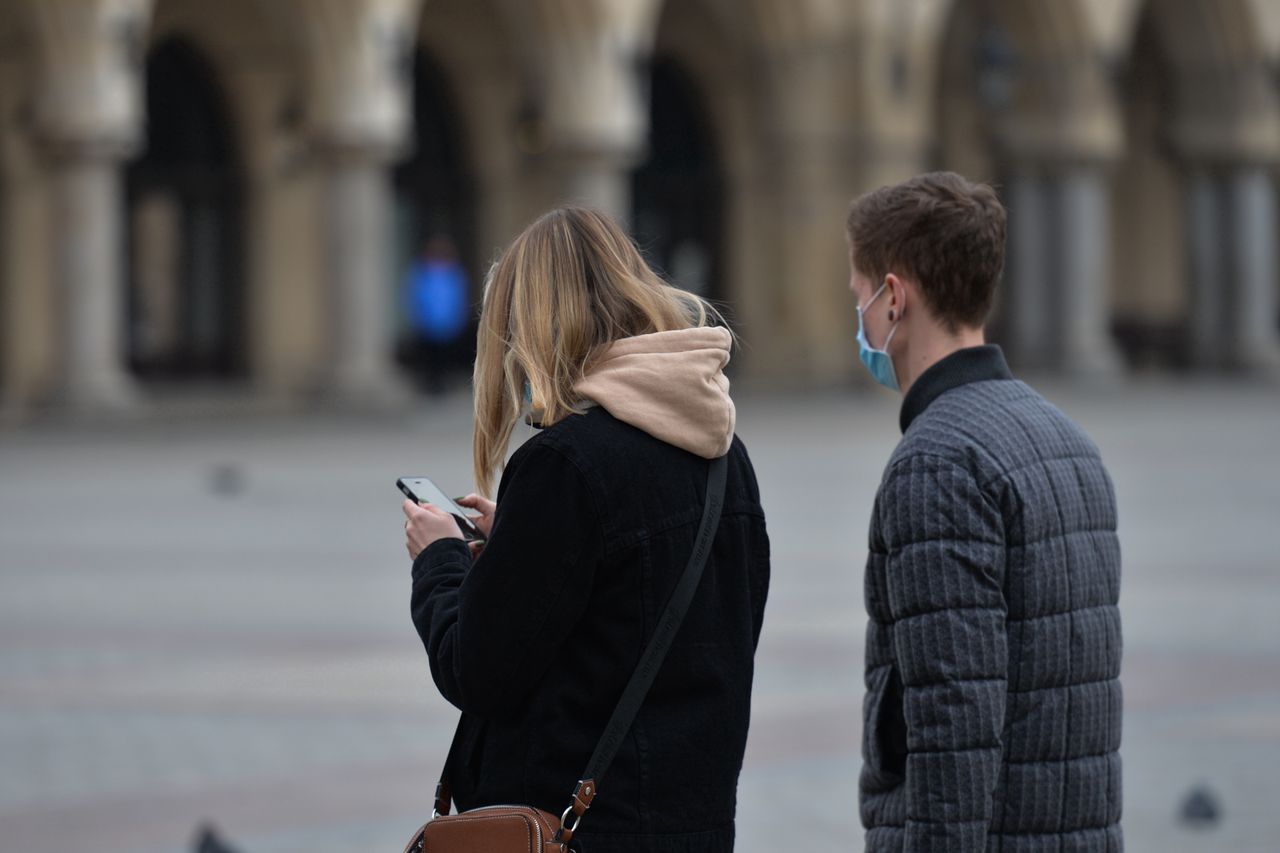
992, 714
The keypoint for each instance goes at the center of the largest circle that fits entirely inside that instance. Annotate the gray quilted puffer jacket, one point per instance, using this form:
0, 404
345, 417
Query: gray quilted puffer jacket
993, 705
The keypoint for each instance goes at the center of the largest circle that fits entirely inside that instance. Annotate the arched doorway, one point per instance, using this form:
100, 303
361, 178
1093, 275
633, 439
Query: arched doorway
975, 87
9, 34
1150, 268
185, 246
975, 91
436, 233
1023, 102
1196, 198
5, 308
677, 192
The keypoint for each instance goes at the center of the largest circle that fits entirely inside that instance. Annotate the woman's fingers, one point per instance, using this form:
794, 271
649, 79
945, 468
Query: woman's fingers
484, 506
426, 524
413, 510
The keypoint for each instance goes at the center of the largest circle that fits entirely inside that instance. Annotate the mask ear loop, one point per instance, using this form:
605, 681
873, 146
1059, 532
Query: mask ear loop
889, 340
896, 319
875, 295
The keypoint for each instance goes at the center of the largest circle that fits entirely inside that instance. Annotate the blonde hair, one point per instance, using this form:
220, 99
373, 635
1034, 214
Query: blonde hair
567, 288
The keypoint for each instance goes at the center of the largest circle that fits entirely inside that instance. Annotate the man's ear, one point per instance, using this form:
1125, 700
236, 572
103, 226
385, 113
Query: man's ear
897, 296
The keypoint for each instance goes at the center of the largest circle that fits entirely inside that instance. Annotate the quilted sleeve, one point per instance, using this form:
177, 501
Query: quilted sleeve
945, 570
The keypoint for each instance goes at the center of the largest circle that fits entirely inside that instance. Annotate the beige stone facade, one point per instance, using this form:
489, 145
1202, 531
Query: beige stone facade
196, 191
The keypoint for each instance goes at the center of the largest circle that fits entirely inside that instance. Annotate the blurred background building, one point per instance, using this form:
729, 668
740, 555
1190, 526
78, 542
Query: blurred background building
235, 193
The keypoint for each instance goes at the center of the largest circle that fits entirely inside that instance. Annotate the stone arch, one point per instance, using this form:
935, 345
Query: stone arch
1201, 122
254, 48
27, 307
213, 206
435, 216
481, 67
780, 83
678, 190
581, 64
1220, 98
1012, 76
184, 224
10, 71
1022, 100
722, 78
714, 95
1152, 285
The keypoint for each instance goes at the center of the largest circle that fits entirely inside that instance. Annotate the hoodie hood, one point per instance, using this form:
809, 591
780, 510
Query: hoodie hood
671, 385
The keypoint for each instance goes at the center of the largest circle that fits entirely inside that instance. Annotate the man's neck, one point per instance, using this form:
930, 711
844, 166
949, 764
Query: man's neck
932, 349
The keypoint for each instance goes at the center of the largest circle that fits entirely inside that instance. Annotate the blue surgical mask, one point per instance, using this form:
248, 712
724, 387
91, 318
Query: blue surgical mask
877, 361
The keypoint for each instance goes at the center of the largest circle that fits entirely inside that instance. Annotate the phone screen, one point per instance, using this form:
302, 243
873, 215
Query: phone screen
422, 490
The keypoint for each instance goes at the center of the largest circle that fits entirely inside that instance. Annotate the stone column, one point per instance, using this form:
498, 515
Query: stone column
22, 329
1087, 346
818, 167
1253, 341
89, 117
1028, 290
1060, 130
361, 287
358, 55
88, 268
285, 300
1058, 271
599, 178
820, 320
1206, 239
1225, 128
592, 118
751, 266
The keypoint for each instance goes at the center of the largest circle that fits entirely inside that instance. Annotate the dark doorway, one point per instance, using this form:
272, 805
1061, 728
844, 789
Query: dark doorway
1151, 274
185, 240
5, 296
436, 235
978, 76
678, 192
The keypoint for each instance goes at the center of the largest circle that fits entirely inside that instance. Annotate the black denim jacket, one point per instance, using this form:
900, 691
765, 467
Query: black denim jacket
536, 638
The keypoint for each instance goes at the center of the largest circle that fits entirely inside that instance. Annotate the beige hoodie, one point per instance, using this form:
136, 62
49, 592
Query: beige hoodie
671, 385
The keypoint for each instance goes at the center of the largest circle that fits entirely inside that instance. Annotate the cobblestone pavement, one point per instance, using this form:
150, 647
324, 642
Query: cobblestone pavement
207, 619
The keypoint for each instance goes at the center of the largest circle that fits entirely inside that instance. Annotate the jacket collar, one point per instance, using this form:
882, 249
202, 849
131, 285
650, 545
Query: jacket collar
973, 364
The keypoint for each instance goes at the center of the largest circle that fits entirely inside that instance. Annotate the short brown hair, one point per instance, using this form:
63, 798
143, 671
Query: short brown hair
940, 230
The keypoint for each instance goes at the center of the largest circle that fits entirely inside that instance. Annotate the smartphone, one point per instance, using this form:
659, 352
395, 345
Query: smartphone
423, 491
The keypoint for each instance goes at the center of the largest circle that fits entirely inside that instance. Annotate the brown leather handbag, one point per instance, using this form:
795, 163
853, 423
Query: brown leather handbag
525, 829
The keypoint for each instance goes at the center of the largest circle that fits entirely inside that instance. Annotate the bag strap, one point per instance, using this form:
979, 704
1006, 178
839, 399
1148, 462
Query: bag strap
624, 713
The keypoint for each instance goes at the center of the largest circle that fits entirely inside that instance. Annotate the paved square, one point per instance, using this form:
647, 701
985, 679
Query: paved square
208, 619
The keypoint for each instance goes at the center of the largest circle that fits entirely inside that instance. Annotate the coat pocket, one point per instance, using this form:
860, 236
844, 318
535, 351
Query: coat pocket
884, 739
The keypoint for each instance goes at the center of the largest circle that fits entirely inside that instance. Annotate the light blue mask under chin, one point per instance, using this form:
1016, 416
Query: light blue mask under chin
877, 361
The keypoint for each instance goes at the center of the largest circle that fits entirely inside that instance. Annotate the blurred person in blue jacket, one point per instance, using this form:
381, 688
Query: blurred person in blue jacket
436, 304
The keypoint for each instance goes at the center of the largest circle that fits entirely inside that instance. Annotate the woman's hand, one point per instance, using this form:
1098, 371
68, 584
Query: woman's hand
425, 524
484, 506
483, 521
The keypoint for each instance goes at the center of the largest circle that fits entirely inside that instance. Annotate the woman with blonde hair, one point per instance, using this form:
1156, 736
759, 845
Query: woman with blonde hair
534, 636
